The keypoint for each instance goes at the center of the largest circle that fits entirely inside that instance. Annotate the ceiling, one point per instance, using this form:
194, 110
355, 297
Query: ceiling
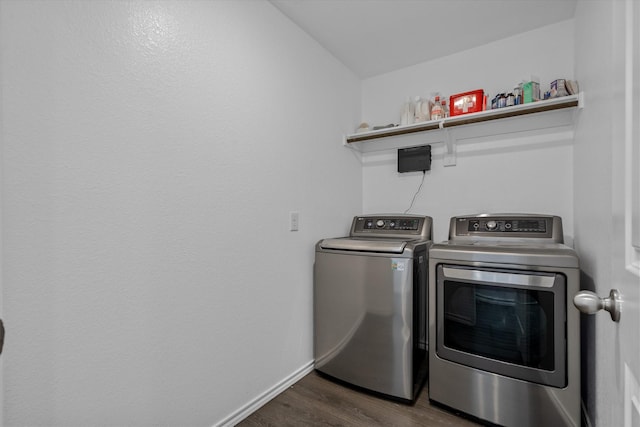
373, 37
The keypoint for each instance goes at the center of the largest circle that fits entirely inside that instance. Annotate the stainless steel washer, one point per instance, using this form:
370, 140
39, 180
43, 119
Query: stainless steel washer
370, 304
504, 337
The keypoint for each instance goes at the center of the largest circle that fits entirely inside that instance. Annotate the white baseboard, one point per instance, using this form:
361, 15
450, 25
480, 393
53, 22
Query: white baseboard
248, 409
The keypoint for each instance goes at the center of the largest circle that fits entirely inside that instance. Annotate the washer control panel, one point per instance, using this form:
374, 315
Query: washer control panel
500, 227
413, 226
390, 224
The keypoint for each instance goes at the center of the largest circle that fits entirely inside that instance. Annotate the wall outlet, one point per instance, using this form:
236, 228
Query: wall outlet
294, 221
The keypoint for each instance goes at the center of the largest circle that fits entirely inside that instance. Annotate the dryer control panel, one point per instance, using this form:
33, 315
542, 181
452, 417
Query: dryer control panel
501, 227
508, 225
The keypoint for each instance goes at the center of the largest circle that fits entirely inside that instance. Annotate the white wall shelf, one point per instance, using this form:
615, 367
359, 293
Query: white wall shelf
551, 116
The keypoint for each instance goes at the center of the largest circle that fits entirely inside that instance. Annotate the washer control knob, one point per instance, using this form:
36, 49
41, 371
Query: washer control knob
491, 225
380, 223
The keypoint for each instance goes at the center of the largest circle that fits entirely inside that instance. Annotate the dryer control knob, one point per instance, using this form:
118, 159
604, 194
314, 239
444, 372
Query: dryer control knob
380, 223
491, 225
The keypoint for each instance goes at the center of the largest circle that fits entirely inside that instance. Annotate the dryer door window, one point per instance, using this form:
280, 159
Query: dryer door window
507, 322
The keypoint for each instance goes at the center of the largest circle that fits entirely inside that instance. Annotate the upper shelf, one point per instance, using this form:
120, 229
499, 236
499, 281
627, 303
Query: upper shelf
557, 113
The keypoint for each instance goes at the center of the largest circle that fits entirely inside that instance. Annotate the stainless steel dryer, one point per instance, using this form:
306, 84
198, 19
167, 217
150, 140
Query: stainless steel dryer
370, 304
504, 336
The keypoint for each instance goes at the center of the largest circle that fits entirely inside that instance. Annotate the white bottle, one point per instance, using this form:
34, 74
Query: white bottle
421, 110
407, 114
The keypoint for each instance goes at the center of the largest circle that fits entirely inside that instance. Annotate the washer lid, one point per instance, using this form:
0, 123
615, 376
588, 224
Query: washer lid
364, 245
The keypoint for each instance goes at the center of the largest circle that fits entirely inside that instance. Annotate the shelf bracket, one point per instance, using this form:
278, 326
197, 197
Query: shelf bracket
580, 100
449, 148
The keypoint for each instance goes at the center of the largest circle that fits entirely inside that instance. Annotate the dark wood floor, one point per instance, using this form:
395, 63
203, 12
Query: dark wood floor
318, 401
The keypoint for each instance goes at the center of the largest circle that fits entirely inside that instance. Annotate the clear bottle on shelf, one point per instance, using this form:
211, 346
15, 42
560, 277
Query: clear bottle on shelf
436, 110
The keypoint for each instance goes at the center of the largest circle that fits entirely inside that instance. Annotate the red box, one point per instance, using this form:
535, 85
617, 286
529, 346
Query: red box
468, 102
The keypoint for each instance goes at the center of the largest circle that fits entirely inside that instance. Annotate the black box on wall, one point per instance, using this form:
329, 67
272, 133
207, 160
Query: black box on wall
414, 159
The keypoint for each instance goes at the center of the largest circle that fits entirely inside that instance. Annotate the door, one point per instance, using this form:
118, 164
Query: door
619, 345
626, 227
607, 206
1, 279
2, 331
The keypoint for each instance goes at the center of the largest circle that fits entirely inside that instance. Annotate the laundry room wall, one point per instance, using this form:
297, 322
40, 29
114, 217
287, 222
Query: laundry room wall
151, 154
524, 174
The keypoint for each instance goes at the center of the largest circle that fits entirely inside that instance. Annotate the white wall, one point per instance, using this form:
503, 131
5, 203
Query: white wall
151, 154
593, 175
532, 174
